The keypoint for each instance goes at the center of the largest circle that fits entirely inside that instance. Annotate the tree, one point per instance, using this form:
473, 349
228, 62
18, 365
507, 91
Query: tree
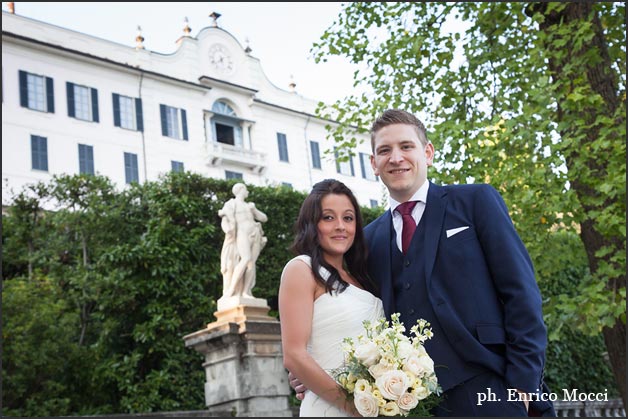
527, 97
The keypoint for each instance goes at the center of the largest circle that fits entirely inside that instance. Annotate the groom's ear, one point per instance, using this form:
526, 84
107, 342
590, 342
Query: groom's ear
429, 154
375, 170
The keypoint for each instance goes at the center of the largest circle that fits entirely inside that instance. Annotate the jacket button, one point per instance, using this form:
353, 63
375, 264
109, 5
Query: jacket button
411, 311
407, 263
407, 285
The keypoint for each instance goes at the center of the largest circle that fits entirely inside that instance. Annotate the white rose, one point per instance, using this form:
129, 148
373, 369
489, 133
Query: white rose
378, 369
419, 365
407, 401
412, 365
405, 349
420, 350
367, 353
366, 404
427, 364
392, 384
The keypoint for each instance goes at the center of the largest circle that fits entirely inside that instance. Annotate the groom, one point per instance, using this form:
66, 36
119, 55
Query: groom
451, 255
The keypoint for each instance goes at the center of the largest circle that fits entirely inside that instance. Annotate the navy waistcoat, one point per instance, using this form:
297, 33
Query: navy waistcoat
413, 303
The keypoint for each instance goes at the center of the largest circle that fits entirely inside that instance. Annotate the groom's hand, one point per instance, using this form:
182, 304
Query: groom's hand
524, 397
297, 386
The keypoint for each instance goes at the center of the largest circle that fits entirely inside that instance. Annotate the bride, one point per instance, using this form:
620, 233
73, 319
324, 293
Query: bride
325, 295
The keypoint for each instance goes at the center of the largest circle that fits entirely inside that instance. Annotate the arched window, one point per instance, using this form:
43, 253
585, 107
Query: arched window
223, 108
226, 126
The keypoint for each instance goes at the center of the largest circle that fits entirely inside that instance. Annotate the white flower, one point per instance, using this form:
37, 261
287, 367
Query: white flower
419, 365
378, 369
427, 364
366, 404
389, 409
387, 372
412, 365
405, 349
362, 385
407, 401
367, 353
392, 384
420, 350
420, 392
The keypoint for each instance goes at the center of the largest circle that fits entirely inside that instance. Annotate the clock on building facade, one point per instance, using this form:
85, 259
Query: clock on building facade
220, 59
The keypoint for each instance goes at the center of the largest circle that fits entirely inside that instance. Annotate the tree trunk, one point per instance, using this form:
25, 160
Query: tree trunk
603, 83
615, 340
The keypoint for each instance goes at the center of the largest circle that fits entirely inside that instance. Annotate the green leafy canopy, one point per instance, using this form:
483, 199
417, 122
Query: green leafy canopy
529, 97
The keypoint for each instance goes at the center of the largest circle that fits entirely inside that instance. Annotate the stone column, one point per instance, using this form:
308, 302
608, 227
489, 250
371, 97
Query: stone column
243, 364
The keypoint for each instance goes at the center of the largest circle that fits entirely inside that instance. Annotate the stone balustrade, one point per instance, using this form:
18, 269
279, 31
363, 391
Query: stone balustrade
613, 408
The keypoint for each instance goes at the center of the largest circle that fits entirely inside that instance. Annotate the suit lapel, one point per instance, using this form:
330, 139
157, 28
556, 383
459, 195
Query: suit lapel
434, 216
380, 262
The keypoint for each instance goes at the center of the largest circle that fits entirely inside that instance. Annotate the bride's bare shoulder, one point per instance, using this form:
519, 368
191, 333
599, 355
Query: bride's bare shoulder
297, 267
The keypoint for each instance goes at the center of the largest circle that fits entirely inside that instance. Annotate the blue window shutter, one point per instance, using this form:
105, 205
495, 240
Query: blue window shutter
130, 167
90, 159
86, 159
70, 94
81, 151
95, 117
39, 152
336, 159
362, 166
282, 145
127, 167
164, 123
44, 153
136, 176
138, 115
50, 95
116, 109
184, 124
177, 166
316, 155
23, 89
35, 151
351, 161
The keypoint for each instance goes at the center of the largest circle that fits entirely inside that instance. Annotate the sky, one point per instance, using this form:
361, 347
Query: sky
280, 34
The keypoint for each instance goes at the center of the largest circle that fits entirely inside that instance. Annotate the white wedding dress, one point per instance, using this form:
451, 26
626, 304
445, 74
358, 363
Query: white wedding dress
335, 318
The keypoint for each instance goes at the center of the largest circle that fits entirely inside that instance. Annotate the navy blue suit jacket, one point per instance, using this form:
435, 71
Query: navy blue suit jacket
480, 282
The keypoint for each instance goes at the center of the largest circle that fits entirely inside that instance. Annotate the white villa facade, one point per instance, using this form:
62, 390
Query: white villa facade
74, 103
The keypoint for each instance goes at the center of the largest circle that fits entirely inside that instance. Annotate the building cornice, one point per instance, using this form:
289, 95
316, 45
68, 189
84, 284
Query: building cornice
306, 114
208, 81
84, 55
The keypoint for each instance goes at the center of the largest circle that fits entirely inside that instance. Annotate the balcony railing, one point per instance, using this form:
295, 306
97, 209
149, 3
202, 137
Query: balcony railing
593, 409
219, 153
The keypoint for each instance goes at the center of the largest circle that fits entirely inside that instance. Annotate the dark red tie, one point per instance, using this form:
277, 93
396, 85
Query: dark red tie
409, 225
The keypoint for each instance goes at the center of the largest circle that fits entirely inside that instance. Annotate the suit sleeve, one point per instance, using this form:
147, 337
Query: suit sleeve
514, 279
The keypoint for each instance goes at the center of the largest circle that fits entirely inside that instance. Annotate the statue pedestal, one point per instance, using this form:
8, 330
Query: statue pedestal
244, 369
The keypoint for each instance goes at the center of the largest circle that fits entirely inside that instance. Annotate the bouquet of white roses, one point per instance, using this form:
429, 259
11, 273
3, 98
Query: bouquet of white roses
388, 373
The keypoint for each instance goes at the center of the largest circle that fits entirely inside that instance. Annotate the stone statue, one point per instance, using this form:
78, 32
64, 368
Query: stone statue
244, 240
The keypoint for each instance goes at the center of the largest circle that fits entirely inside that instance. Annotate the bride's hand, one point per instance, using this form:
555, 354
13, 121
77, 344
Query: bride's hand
298, 387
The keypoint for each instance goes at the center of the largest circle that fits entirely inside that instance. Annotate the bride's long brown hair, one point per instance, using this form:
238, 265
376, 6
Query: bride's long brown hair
306, 239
